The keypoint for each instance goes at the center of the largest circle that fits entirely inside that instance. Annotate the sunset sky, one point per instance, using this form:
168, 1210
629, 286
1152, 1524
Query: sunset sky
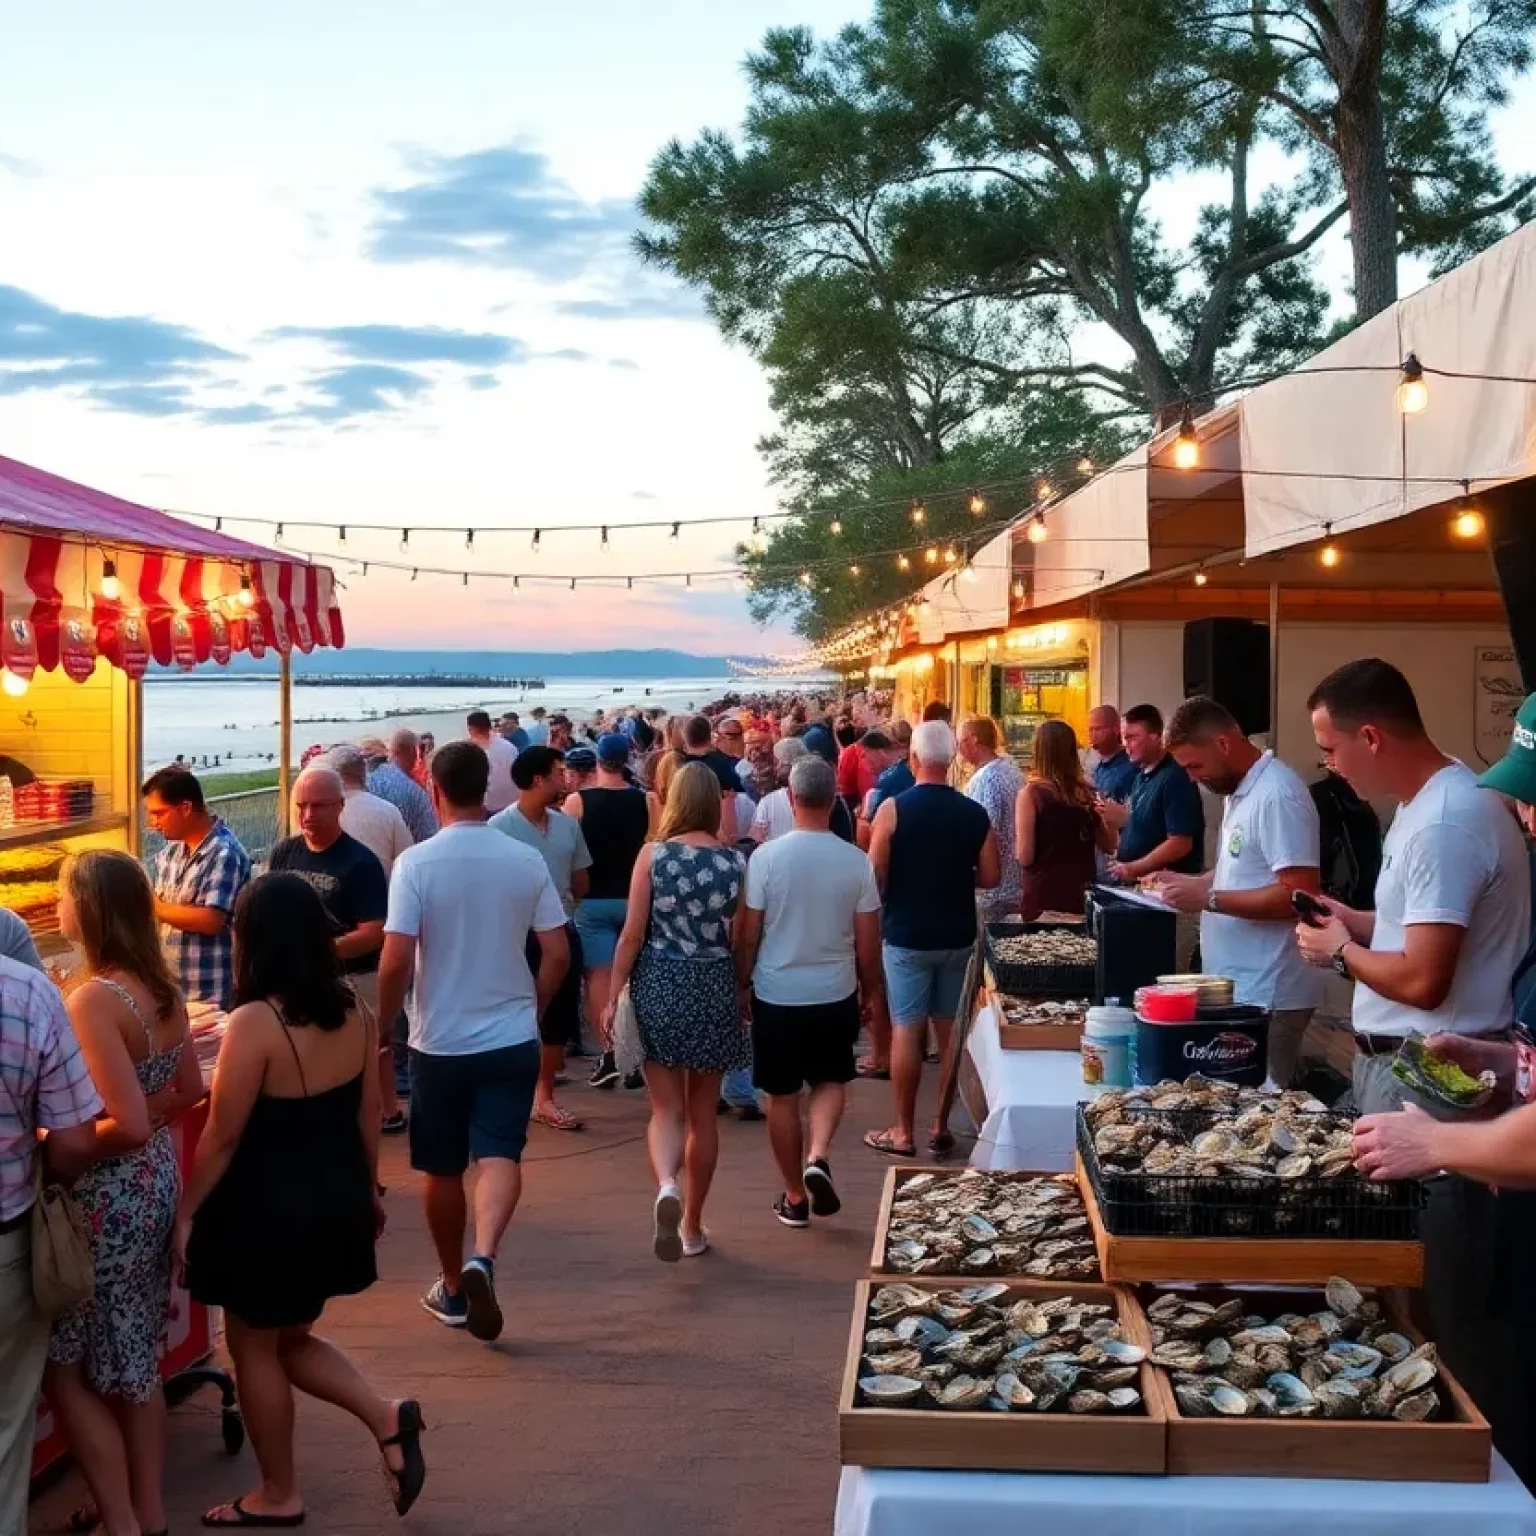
370, 262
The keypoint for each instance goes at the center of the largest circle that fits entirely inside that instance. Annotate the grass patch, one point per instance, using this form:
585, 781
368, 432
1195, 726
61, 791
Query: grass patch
235, 783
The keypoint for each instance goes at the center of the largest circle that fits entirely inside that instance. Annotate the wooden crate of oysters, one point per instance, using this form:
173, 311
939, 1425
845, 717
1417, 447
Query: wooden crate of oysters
997, 1376
964, 1222
1039, 1023
1329, 1383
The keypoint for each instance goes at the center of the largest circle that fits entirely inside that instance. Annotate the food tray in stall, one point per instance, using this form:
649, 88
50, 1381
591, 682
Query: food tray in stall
54, 800
1453, 1446
1037, 1023
1202, 1194
970, 1254
1071, 973
919, 1436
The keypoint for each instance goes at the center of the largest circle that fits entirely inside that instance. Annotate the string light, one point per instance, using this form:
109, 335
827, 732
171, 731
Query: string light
1468, 522
1413, 388
14, 684
1044, 491
341, 534
537, 534
950, 556
676, 530
968, 575
853, 570
605, 538
1186, 446
805, 578
573, 583
931, 555
246, 598
1037, 532
414, 575
919, 512
902, 563
218, 525
978, 503
1085, 465
279, 534
466, 578
1018, 591
835, 527
1201, 578
405, 540
111, 587
1328, 555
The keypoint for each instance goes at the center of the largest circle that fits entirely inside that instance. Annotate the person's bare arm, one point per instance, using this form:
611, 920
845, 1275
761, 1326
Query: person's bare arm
581, 883
989, 865
1024, 828
882, 830
572, 806
1419, 975
188, 918
637, 918
1271, 904
1105, 838
370, 1112
867, 955
1164, 856
125, 1125
67, 1153
749, 934
397, 965
363, 940
554, 962
728, 818
1410, 1145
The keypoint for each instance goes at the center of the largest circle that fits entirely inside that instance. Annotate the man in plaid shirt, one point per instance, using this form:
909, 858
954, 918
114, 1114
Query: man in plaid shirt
44, 1085
198, 877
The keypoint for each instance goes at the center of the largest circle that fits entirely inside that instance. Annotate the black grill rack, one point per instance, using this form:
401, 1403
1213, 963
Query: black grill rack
1039, 980
1187, 1205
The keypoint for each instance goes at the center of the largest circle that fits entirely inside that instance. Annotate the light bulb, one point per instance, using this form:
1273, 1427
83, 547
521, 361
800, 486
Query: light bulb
978, 504
405, 540
1329, 555
805, 578
1085, 465
247, 598
1201, 578
604, 540
1018, 591
834, 527
931, 555
1044, 491
950, 556
538, 534
1413, 390
919, 512
1186, 446
469, 538
676, 528
1037, 532
14, 684
111, 587
853, 570
1468, 523
902, 563
969, 575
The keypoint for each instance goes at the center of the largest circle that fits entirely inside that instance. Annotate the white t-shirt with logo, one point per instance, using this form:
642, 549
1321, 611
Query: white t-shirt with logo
810, 887
1453, 854
468, 897
1268, 823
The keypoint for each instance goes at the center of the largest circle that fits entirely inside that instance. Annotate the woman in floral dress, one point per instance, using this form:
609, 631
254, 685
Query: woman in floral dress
103, 1375
675, 954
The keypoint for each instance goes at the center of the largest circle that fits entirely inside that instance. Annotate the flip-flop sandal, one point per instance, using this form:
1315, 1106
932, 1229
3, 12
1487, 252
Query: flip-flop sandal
82, 1521
942, 1141
557, 1119
413, 1472
246, 1520
883, 1141
874, 1074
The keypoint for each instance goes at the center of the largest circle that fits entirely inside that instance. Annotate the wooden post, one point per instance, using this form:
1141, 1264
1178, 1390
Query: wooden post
1274, 666
133, 749
284, 742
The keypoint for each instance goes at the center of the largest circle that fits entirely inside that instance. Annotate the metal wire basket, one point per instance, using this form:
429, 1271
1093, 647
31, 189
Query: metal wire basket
1047, 980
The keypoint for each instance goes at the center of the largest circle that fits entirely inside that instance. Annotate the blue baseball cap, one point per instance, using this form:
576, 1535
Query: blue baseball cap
614, 747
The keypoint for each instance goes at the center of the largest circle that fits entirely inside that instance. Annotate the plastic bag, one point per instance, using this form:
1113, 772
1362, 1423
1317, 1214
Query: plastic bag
628, 1054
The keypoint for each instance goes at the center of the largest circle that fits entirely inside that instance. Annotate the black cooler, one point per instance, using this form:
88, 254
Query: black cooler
1137, 943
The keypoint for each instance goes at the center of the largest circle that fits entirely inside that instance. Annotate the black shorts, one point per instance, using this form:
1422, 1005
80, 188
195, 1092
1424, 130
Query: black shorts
807, 1046
561, 1022
471, 1106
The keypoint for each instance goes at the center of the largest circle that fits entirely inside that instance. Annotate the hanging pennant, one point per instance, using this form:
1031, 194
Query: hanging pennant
133, 642
281, 640
18, 649
218, 637
183, 645
255, 637
77, 644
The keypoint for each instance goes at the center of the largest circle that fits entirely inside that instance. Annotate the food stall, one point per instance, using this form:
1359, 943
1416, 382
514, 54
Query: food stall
94, 591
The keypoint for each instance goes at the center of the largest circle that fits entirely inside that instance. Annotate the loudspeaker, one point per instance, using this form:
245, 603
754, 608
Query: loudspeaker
1228, 660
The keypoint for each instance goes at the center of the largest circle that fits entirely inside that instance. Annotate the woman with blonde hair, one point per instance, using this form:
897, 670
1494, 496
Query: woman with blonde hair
675, 955
103, 1375
1056, 826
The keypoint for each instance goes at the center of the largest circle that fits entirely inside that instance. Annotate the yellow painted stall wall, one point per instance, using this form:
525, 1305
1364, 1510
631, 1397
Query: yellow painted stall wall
66, 730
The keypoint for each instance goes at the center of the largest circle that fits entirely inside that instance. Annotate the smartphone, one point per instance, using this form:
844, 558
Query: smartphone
1309, 909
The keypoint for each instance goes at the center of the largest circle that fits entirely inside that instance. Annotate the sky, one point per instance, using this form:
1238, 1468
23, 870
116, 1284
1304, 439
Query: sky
370, 263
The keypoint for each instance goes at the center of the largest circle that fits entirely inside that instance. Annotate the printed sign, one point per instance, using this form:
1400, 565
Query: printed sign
77, 644
1497, 694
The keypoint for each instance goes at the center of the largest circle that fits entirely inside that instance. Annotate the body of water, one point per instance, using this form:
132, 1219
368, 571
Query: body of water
236, 722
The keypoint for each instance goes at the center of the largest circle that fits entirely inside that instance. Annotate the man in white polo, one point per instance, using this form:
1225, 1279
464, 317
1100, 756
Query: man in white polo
1268, 850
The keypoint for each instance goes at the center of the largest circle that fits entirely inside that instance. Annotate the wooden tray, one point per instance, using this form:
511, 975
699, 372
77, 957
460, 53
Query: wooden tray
1454, 1449
1248, 1260
895, 1177
1002, 1442
1030, 1037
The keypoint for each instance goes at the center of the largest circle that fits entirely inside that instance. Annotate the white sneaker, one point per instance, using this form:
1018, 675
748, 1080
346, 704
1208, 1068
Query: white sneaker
694, 1246
668, 1243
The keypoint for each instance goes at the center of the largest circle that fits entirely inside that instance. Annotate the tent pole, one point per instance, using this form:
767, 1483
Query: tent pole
284, 742
1274, 667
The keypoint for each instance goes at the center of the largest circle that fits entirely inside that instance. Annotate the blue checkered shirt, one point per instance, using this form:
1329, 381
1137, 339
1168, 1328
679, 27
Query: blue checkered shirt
211, 875
407, 796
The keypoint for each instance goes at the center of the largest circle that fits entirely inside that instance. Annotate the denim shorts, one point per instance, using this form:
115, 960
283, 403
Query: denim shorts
600, 921
471, 1106
922, 984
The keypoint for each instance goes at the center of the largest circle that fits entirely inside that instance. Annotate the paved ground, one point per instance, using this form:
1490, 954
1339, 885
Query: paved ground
626, 1395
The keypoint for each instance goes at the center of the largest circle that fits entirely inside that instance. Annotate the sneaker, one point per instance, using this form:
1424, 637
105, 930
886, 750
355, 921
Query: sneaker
793, 1213
694, 1246
818, 1185
394, 1125
606, 1073
477, 1285
448, 1307
668, 1244
636, 1079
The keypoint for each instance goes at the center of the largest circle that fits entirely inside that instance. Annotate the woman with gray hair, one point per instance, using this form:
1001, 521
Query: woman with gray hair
774, 817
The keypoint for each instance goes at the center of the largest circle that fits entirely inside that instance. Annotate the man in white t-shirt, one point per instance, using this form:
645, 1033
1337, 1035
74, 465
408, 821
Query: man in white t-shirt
1268, 849
807, 935
461, 907
500, 791
1453, 900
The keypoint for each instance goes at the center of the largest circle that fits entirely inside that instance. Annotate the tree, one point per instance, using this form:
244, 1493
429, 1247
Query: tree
1389, 100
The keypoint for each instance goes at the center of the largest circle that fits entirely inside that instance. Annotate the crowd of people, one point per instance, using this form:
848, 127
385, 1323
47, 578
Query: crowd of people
731, 899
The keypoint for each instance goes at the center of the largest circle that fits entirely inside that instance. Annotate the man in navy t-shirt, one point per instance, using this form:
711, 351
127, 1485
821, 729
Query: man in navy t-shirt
1114, 773
1162, 825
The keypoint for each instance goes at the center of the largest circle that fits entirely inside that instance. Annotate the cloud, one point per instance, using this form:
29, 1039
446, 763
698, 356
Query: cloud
410, 344
19, 167
499, 207
627, 363
642, 496
251, 412
652, 302
482, 381
361, 389
125, 362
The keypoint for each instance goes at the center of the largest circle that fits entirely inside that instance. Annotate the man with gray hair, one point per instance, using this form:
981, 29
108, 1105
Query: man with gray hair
390, 777
932, 850
373, 821
807, 937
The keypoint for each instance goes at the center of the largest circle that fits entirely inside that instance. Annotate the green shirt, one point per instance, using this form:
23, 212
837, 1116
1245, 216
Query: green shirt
561, 844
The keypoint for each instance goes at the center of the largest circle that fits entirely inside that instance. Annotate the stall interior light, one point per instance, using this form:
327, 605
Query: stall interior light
14, 683
1186, 446
1018, 591
111, 586
1412, 389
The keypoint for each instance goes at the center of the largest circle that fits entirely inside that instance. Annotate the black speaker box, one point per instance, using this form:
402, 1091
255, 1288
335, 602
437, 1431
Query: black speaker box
1228, 660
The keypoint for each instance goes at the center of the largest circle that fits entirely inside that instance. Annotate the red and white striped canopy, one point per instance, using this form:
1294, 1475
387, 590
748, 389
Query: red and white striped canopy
184, 595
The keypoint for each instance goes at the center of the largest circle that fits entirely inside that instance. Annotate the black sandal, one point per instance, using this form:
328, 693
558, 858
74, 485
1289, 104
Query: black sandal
246, 1519
413, 1472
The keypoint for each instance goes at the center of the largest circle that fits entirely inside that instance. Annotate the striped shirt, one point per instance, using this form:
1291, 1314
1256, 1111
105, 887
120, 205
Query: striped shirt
211, 875
43, 1078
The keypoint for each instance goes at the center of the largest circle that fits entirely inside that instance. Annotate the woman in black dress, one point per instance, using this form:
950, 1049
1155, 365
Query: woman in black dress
281, 1211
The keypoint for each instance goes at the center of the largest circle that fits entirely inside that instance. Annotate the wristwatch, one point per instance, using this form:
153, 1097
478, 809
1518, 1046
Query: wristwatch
1210, 901
1340, 964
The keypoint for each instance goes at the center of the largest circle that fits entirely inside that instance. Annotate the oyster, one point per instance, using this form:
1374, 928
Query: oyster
1343, 1299
1012, 1391
1122, 1399
890, 1391
964, 1393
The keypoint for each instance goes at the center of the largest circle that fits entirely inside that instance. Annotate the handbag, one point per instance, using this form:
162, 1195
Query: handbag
63, 1267
628, 1053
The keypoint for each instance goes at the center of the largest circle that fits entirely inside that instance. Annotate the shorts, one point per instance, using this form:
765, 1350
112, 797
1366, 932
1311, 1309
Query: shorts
923, 984
561, 1021
474, 1106
600, 921
805, 1046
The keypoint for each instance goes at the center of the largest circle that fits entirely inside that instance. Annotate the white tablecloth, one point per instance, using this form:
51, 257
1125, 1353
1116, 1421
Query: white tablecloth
883, 1503
1031, 1102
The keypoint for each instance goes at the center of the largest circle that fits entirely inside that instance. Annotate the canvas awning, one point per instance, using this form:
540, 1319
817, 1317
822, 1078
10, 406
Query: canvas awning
184, 594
